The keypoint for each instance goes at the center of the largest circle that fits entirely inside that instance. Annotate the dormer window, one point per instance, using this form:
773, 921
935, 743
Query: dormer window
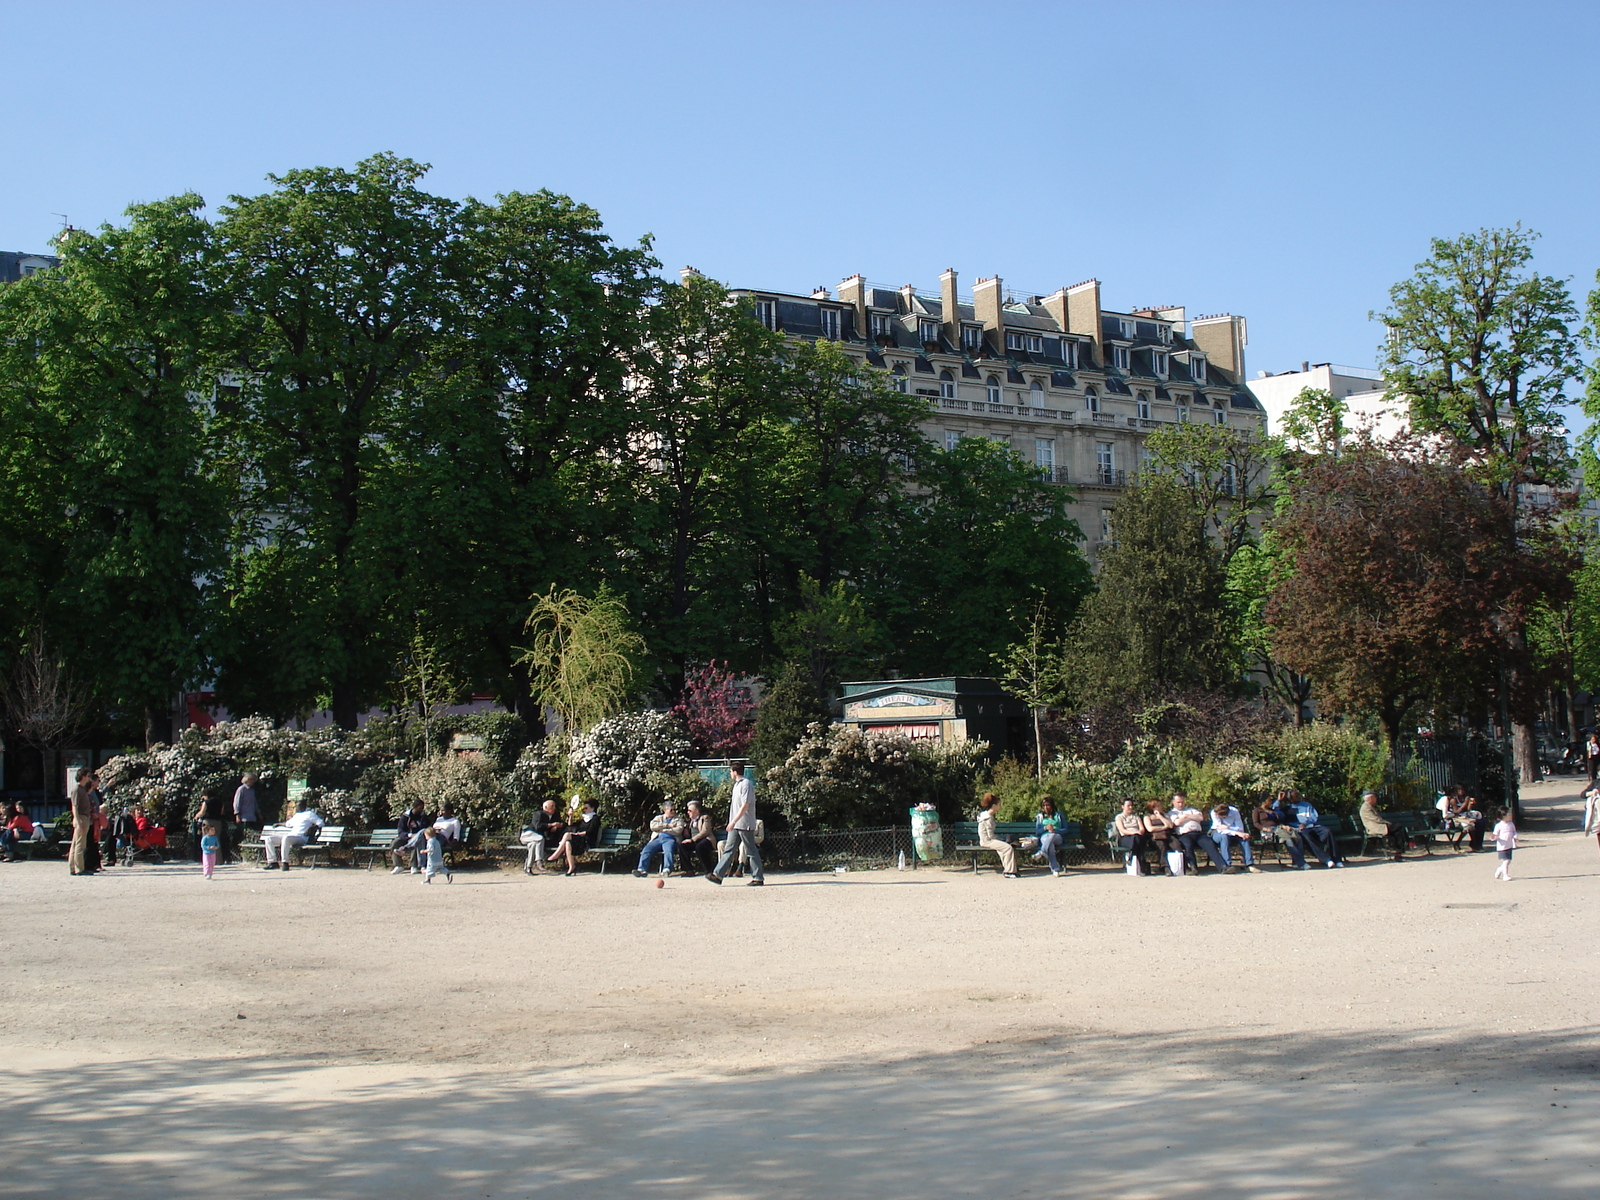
1028, 343
1166, 334
1222, 417
1143, 404
767, 313
1036, 394
947, 386
1125, 328
971, 338
928, 331
880, 325
829, 318
1069, 354
1197, 368
991, 387
1091, 400
1119, 357
1158, 363
1183, 414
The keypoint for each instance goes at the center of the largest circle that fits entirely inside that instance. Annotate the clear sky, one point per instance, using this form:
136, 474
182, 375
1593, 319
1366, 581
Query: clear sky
1287, 161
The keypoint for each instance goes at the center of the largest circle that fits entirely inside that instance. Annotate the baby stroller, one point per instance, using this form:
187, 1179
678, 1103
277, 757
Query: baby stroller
139, 840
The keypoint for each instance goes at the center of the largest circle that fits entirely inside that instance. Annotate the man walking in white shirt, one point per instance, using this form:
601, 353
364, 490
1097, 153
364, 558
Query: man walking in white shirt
741, 830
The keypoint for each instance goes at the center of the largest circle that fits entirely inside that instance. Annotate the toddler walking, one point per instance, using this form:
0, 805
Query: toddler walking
436, 859
1505, 841
210, 844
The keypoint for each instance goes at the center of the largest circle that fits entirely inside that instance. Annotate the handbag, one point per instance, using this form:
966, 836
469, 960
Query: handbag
1028, 844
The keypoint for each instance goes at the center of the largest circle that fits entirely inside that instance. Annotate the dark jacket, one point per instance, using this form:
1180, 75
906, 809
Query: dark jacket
408, 825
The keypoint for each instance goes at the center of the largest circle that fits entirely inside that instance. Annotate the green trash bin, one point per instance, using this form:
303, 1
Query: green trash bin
926, 835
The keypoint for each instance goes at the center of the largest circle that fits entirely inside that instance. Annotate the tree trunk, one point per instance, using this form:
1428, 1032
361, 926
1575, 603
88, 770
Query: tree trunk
157, 726
1527, 752
345, 706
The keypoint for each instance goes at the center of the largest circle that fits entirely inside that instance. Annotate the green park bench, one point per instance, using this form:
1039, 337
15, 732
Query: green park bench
375, 847
966, 835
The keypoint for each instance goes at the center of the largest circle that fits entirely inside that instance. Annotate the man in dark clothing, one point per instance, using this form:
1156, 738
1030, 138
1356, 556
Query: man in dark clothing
1274, 821
409, 825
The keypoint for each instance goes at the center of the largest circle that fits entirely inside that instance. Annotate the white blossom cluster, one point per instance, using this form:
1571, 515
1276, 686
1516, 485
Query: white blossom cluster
624, 750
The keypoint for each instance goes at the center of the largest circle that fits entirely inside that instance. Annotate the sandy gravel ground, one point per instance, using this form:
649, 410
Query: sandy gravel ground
1385, 1030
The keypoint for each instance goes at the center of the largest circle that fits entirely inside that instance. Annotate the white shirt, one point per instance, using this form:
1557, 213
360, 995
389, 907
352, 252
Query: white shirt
742, 812
1230, 823
302, 823
449, 827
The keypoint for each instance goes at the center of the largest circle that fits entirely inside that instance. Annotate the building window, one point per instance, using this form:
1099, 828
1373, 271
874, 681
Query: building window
1166, 333
1158, 363
1144, 406
880, 325
767, 313
1105, 460
1036, 394
901, 384
1229, 480
1029, 343
1183, 413
830, 323
952, 438
1069, 354
1222, 417
991, 388
1044, 454
971, 338
928, 330
1105, 524
1125, 327
1091, 401
1197, 368
947, 385
1119, 357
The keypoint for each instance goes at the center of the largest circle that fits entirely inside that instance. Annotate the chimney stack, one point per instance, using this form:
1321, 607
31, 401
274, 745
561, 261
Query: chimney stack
853, 292
952, 309
986, 307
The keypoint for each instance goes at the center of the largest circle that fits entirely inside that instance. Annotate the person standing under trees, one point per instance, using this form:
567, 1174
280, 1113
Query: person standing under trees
82, 823
246, 812
1591, 754
742, 830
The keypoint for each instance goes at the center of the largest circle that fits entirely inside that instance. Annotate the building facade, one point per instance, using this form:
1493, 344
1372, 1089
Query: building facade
1366, 397
1073, 388
15, 264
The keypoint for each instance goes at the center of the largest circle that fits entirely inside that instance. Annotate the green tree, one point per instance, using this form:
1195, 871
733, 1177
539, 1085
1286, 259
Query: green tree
506, 486
1034, 671
343, 280
1252, 574
708, 396
1482, 351
584, 656
1159, 621
981, 536
1228, 471
110, 508
791, 706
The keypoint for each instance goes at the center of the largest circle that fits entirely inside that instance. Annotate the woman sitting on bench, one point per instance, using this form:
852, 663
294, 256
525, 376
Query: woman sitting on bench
1132, 838
575, 842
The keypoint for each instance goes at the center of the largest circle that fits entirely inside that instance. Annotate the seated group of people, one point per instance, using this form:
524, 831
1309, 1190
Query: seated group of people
425, 840
17, 828
1463, 816
550, 838
1181, 834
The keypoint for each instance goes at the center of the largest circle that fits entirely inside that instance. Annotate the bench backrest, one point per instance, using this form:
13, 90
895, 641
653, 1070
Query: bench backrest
615, 839
383, 837
329, 835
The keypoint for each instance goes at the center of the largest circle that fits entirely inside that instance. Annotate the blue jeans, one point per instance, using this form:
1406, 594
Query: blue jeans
664, 842
1048, 845
1289, 838
1223, 839
1322, 843
736, 838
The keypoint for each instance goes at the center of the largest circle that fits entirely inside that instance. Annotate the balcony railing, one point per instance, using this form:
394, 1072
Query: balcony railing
1107, 477
1053, 474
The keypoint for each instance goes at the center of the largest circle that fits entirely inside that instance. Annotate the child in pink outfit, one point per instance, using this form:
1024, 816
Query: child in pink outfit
1505, 841
210, 844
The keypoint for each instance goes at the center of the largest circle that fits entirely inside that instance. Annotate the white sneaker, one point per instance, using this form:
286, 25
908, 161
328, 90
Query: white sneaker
416, 870
397, 871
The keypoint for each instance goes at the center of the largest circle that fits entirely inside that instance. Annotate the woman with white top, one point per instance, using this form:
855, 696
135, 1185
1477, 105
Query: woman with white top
988, 839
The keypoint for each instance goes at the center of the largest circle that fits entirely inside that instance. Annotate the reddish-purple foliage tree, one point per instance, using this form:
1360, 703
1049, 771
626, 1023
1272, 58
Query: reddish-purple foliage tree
716, 710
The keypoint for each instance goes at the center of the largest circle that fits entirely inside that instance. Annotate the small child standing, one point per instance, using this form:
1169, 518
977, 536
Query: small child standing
436, 859
1505, 841
210, 844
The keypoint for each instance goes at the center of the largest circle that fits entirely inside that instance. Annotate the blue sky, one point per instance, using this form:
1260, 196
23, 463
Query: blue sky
1284, 161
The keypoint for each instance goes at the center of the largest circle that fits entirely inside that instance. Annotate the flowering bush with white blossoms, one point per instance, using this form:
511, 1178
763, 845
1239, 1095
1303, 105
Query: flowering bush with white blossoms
620, 754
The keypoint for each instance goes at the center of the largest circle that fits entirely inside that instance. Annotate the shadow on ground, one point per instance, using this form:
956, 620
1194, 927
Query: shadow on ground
1309, 1116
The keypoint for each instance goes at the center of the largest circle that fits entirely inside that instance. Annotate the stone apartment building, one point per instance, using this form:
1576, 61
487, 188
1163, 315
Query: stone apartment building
1074, 388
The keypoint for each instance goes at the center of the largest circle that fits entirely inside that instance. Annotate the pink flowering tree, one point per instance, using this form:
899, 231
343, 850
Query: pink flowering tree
716, 710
